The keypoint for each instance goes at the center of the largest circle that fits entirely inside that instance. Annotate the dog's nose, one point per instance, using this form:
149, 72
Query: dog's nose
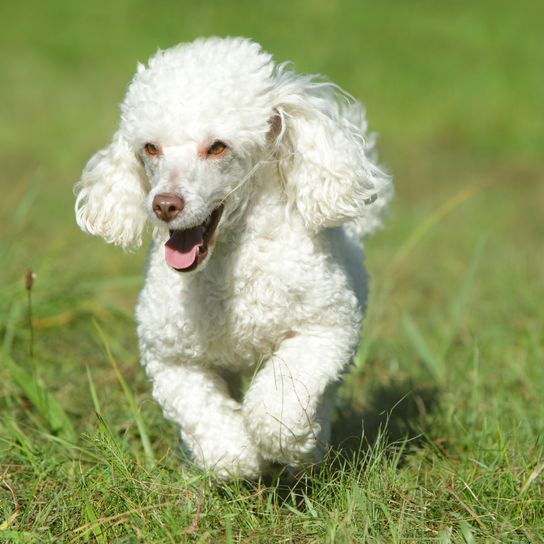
167, 206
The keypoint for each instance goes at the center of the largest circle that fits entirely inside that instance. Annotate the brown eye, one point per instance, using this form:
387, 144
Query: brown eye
151, 149
217, 148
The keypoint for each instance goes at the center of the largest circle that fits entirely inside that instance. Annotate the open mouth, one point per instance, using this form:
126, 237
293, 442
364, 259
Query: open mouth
187, 248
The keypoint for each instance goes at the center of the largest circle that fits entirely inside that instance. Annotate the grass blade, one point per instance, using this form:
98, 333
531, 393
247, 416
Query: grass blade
146, 443
432, 363
447, 207
461, 299
92, 389
48, 407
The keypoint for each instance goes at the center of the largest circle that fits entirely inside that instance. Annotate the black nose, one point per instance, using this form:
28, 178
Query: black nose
167, 206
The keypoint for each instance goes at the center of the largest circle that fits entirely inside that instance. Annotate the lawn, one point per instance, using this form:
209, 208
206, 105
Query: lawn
439, 425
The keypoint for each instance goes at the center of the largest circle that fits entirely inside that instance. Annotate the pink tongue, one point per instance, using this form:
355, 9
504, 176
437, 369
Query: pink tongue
181, 250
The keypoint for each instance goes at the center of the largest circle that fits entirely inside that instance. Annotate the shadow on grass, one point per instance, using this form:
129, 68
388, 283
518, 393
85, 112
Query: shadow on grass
393, 414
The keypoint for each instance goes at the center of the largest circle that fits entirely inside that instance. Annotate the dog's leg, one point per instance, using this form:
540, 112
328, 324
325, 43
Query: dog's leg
287, 407
212, 427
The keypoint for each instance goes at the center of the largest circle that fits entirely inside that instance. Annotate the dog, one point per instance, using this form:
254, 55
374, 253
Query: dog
259, 184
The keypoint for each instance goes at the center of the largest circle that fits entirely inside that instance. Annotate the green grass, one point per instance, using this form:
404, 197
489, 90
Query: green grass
439, 425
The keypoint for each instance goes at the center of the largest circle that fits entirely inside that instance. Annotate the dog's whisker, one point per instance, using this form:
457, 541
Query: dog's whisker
248, 176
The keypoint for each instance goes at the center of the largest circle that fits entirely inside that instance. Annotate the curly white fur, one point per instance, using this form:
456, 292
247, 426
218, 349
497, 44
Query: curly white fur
281, 294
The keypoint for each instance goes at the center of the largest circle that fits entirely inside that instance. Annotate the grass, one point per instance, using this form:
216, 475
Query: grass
439, 424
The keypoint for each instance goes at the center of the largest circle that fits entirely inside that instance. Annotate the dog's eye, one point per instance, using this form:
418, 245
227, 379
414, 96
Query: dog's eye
151, 149
217, 148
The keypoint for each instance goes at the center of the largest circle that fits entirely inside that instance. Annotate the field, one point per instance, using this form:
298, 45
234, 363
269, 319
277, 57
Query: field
439, 433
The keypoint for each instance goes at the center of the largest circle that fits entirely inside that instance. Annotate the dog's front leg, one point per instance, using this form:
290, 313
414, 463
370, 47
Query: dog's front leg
287, 406
212, 427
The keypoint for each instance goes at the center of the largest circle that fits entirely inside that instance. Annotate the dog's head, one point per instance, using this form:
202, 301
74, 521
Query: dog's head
196, 123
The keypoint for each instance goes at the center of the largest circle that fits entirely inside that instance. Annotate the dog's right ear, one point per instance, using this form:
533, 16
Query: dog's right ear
326, 159
110, 196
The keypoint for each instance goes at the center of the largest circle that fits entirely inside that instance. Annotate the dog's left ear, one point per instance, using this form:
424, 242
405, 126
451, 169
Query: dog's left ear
325, 160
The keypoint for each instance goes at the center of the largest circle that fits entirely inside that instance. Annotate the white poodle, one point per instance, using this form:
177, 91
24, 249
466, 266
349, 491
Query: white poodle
260, 184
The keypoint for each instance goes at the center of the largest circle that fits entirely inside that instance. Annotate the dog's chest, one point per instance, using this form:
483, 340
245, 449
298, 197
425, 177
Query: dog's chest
246, 321
213, 321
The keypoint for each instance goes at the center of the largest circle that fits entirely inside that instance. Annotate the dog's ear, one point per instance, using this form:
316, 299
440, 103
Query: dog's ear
325, 160
110, 196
